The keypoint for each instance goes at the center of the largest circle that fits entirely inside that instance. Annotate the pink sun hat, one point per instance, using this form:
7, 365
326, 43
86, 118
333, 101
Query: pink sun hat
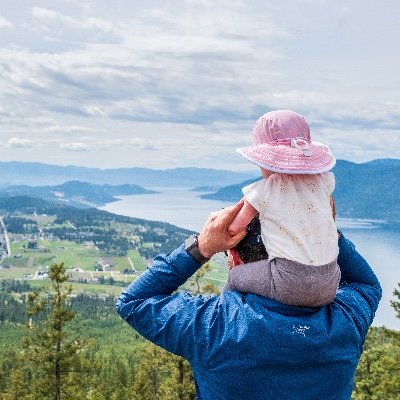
282, 143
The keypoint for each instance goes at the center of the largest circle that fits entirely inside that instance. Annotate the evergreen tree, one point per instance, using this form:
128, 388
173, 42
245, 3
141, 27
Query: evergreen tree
56, 361
396, 304
200, 284
378, 372
16, 390
161, 375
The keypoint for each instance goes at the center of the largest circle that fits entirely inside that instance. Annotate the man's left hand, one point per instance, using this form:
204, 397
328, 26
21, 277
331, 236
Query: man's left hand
214, 236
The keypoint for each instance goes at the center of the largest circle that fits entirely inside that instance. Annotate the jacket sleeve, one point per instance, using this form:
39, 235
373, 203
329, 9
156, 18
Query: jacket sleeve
360, 291
149, 306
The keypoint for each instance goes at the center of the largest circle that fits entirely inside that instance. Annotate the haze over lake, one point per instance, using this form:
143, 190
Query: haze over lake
184, 208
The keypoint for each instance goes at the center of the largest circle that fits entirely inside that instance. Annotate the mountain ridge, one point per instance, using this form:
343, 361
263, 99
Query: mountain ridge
76, 193
40, 174
366, 190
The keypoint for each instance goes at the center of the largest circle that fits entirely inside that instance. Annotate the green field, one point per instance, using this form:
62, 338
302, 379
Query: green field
82, 259
89, 270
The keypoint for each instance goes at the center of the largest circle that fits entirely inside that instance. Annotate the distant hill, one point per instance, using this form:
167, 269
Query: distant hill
370, 190
113, 234
38, 174
75, 193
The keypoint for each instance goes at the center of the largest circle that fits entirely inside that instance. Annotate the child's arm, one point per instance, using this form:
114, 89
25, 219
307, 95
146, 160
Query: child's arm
243, 218
333, 206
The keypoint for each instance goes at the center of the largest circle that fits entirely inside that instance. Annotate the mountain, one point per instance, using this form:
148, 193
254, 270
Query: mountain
38, 174
369, 190
75, 193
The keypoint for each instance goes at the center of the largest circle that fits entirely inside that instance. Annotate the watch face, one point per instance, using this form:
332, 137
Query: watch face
190, 242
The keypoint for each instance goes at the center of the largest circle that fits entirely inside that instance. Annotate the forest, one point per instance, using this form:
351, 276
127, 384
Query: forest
55, 345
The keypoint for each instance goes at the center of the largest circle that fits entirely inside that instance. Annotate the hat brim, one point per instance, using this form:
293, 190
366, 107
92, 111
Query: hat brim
283, 158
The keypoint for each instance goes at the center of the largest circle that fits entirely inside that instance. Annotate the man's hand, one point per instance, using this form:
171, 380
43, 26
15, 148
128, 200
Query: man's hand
214, 236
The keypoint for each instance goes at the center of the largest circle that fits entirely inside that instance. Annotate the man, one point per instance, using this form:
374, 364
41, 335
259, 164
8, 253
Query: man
246, 346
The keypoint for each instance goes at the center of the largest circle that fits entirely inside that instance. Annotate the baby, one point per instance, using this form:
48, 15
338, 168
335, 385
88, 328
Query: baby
294, 204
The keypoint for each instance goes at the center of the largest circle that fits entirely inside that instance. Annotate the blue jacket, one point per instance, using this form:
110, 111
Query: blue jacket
245, 346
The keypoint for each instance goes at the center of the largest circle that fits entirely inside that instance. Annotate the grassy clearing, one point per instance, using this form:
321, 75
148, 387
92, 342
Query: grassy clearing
137, 260
80, 260
121, 263
76, 260
15, 273
73, 255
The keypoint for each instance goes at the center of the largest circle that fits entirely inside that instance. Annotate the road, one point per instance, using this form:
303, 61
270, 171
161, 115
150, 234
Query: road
130, 261
3, 232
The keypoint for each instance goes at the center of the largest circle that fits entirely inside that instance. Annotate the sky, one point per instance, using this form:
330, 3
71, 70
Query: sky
165, 84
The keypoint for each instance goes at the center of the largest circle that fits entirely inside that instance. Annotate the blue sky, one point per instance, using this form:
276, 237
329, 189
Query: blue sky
165, 84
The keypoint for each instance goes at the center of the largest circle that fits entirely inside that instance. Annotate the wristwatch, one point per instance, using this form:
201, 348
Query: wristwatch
192, 247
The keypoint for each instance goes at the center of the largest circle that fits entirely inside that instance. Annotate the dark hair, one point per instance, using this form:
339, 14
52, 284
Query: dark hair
252, 252
251, 248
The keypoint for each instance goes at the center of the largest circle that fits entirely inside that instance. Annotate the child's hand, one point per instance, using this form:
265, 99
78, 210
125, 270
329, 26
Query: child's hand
243, 218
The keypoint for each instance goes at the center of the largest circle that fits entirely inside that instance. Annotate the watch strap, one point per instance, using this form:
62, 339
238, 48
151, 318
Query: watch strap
192, 247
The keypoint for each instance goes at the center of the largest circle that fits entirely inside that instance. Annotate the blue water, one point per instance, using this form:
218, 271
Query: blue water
182, 207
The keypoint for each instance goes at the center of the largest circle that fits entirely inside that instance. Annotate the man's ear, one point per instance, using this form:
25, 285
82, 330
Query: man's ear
236, 260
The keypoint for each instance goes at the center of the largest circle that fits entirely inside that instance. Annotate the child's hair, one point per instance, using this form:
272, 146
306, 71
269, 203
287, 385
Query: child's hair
252, 252
251, 248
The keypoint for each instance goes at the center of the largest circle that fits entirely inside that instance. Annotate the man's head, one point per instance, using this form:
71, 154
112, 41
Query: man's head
251, 248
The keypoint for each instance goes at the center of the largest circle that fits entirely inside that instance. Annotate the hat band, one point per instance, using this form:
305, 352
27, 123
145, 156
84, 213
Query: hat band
305, 150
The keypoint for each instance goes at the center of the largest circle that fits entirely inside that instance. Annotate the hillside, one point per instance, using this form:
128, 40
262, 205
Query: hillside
111, 234
38, 174
370, 190
75, 193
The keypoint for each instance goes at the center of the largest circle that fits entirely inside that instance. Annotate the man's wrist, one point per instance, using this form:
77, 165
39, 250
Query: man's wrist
194, 249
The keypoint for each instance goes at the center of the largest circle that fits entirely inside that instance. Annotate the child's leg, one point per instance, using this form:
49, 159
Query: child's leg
304, 285
243, 218
253, 277
287, 281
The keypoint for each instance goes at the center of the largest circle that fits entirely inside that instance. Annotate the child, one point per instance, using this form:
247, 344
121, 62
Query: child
293, 201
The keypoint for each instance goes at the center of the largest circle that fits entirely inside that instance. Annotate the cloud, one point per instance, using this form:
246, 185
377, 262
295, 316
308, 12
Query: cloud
68, 129
183, 83
20, 143
130, 143
44, 13
75, 146
99, 24
153, 74
5, 23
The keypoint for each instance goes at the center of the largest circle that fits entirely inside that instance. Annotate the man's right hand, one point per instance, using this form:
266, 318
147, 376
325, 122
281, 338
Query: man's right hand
214, 236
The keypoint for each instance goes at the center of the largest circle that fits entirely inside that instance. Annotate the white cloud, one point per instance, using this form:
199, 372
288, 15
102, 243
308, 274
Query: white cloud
98, 24
75, 146
68, 129
44, 13
5, 23
20, 143
183, 83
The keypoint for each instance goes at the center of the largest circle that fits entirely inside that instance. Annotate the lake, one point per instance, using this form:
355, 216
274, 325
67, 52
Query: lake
184, 208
